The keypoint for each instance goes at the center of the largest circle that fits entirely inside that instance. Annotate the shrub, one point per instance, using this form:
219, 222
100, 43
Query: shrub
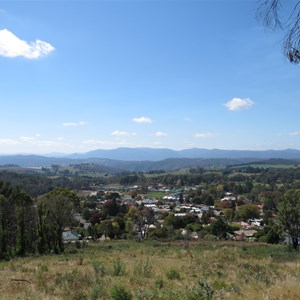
118, 268
96, 293
159, 283
118, 292
172, 274
98, 268
203, 292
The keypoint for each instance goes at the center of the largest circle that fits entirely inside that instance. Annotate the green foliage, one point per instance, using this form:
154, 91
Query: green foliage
159, 232
289, 215
203, 291
99, 269
106, 228
143, 269
172, 274
17, 222
54, 213
118, 292
248, 211
159, 283
140, 219
220, 229
270, 235
118, 268
96, 292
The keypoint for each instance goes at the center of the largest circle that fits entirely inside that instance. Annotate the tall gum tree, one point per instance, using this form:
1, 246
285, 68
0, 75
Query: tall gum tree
283, 15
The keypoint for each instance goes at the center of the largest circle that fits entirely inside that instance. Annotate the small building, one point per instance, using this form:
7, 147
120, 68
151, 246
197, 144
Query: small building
70, 236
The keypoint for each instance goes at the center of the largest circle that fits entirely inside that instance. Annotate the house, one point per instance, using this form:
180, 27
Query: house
245, 235
70, 236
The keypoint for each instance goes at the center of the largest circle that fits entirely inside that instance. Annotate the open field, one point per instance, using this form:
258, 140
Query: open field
156, 270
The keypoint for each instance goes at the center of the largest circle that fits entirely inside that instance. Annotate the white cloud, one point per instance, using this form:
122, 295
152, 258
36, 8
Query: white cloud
239, 104
142, 120
12, 46
160, 134
26, 138
94, 142
70, 124
202, 135
47, 143
8, 142
105, 144
60, 138
119, 133
296, 133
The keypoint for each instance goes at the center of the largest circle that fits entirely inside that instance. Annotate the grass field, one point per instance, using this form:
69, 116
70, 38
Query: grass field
155, 270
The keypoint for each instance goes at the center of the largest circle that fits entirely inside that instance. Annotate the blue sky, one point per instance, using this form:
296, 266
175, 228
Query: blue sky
84, 75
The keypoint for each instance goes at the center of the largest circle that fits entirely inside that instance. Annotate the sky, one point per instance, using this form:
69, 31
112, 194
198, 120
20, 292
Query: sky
82, 75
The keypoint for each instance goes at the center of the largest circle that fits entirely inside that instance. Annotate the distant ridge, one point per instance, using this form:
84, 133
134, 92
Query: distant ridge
156, 154
148, 159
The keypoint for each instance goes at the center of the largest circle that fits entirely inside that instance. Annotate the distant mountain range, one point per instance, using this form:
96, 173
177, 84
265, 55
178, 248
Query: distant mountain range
148, 159
157, 154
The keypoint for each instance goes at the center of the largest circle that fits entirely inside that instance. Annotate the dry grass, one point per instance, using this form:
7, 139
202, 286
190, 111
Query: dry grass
154, 270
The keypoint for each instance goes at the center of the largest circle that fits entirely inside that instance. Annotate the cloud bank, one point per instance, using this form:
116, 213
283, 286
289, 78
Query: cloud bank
296, 133
237, 104
12, 46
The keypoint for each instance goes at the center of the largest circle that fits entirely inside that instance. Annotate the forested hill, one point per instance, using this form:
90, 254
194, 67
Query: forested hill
116, 166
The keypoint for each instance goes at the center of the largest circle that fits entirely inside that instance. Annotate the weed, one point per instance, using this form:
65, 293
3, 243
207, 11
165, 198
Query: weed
118, 268
96, 292
41, 279
143, 269
203, 292
172, 274
99, 269
44, 268
159, 283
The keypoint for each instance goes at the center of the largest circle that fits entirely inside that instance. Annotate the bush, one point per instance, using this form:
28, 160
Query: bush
118, 292
172, 274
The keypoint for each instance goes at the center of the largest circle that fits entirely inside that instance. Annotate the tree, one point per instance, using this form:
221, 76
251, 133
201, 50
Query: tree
54, 213
220, 229
270, 12
107, 229
248, 211
289, 215
111, 207
17, 222
141, 219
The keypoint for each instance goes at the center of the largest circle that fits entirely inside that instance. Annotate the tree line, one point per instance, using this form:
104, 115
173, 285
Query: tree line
30, 226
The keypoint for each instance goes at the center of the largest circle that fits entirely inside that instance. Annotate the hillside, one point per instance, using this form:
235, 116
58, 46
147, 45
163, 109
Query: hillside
156, 270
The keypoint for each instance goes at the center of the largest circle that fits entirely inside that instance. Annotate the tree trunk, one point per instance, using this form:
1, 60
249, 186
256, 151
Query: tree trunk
295, 242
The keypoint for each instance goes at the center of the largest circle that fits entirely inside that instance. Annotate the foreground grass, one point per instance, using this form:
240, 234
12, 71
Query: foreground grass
154, 270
